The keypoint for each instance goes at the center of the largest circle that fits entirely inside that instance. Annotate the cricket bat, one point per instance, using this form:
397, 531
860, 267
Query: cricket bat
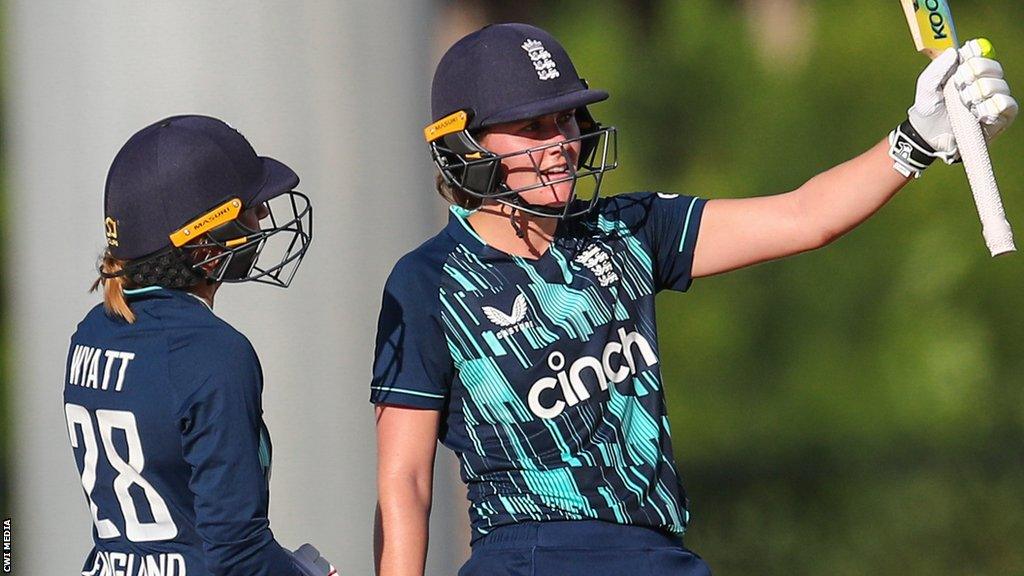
931, 24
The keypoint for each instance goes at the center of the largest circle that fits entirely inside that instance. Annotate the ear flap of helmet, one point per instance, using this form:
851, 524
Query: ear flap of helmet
587, 125
473, 168
237, 263
462, 161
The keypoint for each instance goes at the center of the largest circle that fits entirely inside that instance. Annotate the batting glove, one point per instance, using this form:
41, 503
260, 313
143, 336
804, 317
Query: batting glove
310, 563
927, 133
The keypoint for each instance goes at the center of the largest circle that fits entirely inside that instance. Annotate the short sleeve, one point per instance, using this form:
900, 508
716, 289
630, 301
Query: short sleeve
222, 427
667, 224
675, 222
412, 365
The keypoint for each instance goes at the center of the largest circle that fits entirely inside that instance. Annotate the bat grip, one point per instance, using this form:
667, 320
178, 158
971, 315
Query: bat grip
971, 141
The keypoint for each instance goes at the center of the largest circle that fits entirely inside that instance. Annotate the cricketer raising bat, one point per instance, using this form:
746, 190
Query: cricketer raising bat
931, 24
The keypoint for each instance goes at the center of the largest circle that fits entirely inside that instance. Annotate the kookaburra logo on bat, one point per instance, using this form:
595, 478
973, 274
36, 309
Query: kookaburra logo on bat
935, 18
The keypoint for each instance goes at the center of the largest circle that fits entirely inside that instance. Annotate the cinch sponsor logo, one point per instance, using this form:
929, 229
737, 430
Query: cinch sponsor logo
935, 18
618, 361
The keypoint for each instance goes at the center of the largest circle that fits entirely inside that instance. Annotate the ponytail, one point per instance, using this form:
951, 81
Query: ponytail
113, 288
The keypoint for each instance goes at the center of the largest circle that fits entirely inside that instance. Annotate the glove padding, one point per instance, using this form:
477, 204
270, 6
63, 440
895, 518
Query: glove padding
310, 563
979, 80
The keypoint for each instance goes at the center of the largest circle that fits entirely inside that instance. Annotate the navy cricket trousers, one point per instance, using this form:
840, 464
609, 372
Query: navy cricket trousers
581, 548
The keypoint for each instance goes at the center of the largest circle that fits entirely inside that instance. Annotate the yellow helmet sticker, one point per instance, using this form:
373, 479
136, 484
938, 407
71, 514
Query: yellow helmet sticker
448, 125
222, 214
111, 225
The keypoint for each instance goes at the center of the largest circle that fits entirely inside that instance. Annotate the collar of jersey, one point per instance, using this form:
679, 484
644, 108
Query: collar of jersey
157, 291
460, 228
161, 292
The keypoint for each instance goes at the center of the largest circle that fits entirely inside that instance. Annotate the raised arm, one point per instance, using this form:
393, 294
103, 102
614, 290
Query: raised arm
742, 232
406, 444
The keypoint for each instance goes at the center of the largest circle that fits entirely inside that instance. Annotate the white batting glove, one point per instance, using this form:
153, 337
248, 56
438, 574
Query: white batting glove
982, 88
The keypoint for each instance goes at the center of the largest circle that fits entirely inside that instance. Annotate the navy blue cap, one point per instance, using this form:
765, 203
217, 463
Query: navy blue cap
177, 169
507, 72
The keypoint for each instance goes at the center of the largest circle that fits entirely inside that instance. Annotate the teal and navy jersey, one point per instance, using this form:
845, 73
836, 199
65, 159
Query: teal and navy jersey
547, 371
166, 427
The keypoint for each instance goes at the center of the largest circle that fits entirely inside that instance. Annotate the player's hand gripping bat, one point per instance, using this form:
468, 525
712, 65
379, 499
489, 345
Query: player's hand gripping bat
932, 27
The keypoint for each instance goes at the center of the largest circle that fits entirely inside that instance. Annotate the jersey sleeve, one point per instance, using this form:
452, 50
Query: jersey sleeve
412, 365
222, 439
668, 224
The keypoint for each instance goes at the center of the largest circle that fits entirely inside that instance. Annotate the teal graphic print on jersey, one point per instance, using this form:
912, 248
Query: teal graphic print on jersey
547, 371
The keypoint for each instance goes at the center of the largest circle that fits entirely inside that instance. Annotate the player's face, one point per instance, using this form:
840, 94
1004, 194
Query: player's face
550, 164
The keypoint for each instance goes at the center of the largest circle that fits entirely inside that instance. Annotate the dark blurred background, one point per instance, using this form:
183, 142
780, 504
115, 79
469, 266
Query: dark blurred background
858, 410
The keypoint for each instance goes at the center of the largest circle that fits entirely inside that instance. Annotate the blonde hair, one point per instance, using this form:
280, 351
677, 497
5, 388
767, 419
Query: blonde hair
113, 287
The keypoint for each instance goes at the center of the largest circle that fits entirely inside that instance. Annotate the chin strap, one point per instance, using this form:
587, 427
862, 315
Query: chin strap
520, 231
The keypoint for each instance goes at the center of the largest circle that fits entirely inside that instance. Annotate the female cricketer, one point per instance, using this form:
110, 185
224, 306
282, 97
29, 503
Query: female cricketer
162, 397
523, 335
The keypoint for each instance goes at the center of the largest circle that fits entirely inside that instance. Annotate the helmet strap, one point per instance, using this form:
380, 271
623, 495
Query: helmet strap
520, 229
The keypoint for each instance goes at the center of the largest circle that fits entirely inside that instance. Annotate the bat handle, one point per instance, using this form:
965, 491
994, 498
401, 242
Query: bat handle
971, 141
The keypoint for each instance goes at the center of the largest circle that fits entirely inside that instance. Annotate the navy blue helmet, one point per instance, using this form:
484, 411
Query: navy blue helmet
176, 200
505, 73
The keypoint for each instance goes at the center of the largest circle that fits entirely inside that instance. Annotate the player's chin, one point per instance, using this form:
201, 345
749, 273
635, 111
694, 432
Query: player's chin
555, 195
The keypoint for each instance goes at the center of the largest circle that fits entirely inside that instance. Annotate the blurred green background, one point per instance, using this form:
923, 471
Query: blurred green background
858, 410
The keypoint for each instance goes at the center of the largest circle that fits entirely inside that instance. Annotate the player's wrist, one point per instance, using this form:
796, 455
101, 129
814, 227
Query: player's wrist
910, 152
